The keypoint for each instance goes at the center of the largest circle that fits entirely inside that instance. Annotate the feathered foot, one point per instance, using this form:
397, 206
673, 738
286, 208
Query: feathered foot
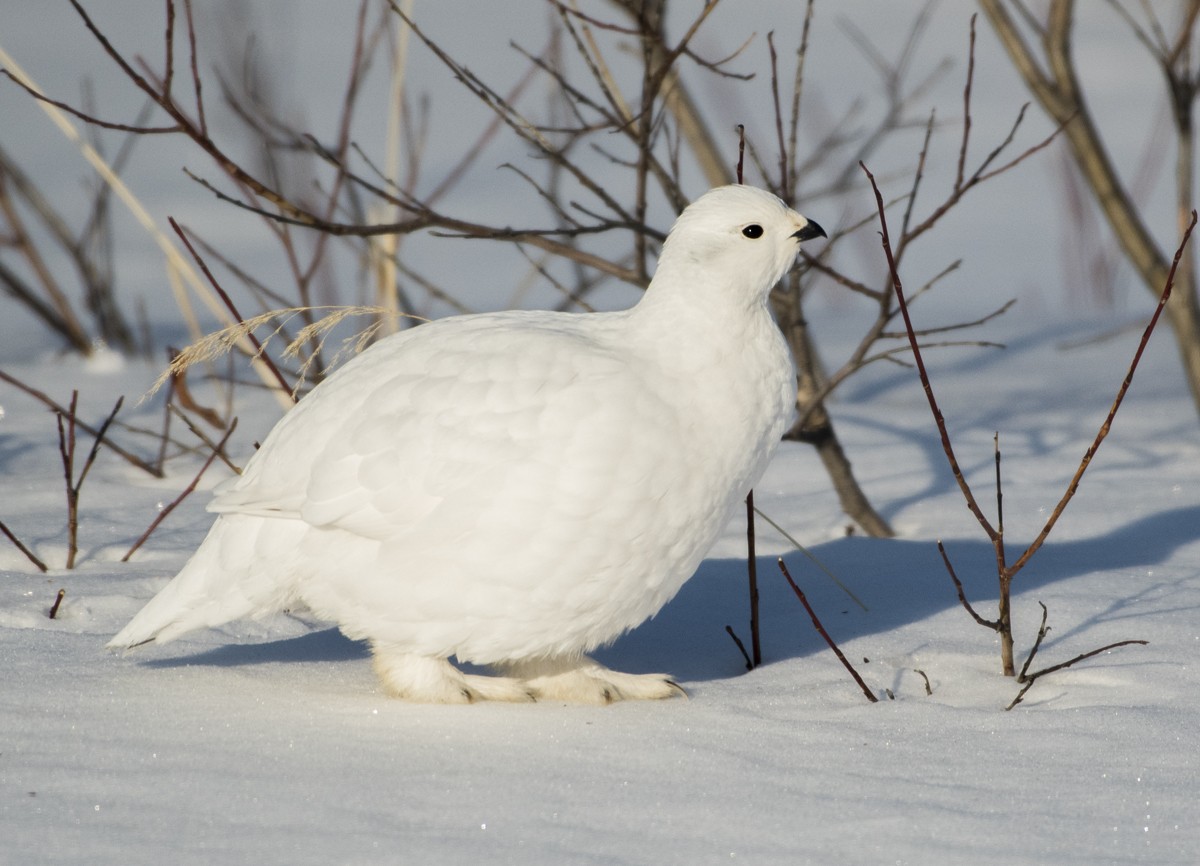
435, 681
581, 680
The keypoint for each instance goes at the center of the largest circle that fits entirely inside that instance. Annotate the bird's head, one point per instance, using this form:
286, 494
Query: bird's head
737, 237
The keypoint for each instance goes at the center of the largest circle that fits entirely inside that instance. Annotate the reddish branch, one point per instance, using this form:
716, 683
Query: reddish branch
1005, 571
58, 600
816, 621
752, 576
741, 647
162, 515
1029, 679
29, 554
156, 471
66, 449
1112, 412
962, 597
284, 387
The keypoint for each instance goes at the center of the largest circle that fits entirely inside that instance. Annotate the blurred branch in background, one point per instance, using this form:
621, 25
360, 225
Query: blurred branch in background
1041, 49
609, 113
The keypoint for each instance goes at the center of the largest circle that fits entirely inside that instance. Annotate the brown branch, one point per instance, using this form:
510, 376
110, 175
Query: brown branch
162, 515
784, 173
195, 130
29, 554
1042, 631
939, 419
165, 433
260, 352
197, 87
1112, 412
169, 45
517, 123
58, 600
1086, 655
741, 159
752, 575
741, 647
797, 91
918, 175
55, 407
66, 450
212, 446
91, 120
1030, 679
183, 394
980, 175
97, 440
56, 309
962, 596
821, 631
966, 125
456, 228
1059, 94
925, 677
840, 278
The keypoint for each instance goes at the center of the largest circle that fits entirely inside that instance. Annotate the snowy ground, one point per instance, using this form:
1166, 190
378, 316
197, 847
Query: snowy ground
272, 743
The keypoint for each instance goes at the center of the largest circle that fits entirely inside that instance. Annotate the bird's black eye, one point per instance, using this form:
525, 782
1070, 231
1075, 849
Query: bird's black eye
754, 230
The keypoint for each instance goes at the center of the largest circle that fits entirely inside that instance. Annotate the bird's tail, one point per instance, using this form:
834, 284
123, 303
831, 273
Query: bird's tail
226, 579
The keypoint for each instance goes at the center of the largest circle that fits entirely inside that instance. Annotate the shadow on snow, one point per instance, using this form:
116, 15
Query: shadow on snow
900, 581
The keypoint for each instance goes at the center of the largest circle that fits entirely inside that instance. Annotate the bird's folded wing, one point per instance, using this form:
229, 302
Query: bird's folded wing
383, 450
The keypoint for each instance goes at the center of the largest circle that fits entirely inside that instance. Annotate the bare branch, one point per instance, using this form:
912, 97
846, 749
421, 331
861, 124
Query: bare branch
173, 504
816, 621
1112, 412
994, 625
29, 554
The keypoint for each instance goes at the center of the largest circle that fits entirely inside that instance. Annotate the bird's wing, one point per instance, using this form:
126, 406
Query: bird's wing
488, 405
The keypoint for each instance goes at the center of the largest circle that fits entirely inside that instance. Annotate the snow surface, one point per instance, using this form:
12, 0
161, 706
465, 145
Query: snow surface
271, 742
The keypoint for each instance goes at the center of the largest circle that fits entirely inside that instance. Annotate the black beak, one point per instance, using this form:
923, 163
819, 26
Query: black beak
810, 231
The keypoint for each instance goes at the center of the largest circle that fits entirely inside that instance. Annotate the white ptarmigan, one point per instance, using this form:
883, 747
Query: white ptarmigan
515, 489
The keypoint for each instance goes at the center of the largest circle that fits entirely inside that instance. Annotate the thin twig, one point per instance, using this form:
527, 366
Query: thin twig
962, 597
999, 487
1086, 655
96, 442
940, 420
1043, 630
924, 676
165, 435
821, 631
199, 434
162, 515
811, 558
58, 600
1034, 677
752, 575
157, 472
966, 131
29, 554
66, 450
284, 387
178, 385
741, 647
741, 160
784, 173
1112, 412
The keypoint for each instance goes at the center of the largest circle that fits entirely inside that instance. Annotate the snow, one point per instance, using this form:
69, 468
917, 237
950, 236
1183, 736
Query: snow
270, 742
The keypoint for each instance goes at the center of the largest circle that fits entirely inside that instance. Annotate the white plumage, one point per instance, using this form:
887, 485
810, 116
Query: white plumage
515, 489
